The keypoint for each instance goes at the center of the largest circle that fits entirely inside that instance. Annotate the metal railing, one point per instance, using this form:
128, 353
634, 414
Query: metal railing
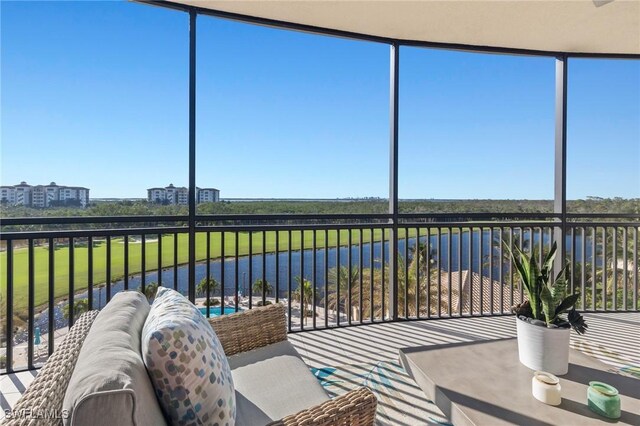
330, 270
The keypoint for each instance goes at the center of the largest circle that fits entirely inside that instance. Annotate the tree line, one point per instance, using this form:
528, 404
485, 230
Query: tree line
365, 206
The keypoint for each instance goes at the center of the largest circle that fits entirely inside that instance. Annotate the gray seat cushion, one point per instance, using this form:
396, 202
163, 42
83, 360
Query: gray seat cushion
271, 383
110, 385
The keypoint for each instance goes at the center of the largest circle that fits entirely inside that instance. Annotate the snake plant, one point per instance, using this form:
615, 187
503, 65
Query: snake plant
547, 299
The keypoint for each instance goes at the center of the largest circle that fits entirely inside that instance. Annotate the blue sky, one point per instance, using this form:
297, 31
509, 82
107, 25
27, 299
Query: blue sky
95, 94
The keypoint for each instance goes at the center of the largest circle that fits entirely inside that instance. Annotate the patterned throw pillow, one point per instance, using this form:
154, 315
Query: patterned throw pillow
187, 364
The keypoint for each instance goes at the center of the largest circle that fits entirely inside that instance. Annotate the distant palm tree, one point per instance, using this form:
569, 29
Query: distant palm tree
207, 282
412, 288
369, 281
80, 306
613, 256
304, 290
339, 278
418, 254
261, 286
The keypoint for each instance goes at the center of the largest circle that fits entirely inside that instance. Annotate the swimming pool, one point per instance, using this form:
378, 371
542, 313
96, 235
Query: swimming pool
215, 311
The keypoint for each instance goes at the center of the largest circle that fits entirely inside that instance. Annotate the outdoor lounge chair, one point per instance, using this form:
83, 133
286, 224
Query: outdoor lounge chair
263, 364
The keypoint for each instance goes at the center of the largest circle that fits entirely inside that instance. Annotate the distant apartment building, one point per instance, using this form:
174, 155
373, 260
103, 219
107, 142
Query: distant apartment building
180, 195
43, 196
207, 195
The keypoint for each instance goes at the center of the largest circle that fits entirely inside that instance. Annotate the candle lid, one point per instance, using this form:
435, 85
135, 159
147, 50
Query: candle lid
604, 388
547, 378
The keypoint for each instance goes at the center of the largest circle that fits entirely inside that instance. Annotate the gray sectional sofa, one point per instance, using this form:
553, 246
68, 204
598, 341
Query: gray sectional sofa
96, 376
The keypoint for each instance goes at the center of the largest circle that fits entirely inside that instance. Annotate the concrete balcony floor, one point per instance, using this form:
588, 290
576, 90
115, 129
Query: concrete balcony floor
345, 358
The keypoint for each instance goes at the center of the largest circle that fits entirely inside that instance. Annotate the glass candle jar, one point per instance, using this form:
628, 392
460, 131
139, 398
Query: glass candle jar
603, 399
545, 387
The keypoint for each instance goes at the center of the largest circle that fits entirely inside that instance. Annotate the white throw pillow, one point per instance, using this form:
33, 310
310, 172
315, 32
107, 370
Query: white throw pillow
187, 364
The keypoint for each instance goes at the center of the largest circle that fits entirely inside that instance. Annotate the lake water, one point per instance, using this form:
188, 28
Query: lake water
449, 261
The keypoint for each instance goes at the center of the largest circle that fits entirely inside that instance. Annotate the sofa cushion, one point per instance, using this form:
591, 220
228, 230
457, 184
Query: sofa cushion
110, 373
186, 362
272, 382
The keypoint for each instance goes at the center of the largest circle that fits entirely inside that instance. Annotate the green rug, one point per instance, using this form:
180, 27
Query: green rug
400, 400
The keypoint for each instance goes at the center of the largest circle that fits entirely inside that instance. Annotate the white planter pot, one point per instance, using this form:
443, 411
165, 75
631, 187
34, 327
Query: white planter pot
542, 348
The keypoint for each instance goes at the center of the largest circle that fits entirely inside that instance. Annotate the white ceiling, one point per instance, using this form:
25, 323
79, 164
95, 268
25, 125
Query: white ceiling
572, 26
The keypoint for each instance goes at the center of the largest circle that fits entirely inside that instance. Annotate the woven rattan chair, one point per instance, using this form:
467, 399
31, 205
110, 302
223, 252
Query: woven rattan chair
259, 327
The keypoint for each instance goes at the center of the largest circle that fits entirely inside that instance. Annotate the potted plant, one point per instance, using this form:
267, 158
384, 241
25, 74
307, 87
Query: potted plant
545, 319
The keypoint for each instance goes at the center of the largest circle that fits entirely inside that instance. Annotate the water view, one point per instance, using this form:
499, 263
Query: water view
453, 250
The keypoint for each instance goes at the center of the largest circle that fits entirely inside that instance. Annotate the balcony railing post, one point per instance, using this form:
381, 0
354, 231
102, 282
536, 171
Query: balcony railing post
560, 183
9, 315
393, 179
192, 156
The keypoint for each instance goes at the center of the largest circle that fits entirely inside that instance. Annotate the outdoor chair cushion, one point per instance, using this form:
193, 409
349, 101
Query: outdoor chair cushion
110, 385
272, 382
186, 362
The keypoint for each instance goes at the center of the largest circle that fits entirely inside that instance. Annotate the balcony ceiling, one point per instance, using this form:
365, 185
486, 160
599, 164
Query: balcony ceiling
578, 26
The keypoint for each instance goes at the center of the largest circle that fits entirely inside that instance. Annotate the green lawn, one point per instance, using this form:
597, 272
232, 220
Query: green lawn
61, 265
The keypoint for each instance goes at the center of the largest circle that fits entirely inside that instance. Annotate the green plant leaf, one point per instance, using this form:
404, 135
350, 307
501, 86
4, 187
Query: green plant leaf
558, 291
563, 272
577, 321
521, 262
537, 284
547, 265
546, 301
567, 304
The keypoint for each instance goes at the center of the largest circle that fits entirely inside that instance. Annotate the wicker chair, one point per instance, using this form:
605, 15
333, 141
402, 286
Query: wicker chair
259, 327
41, 404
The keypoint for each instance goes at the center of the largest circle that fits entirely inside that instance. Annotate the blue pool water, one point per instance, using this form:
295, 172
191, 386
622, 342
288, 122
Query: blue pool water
217, 310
